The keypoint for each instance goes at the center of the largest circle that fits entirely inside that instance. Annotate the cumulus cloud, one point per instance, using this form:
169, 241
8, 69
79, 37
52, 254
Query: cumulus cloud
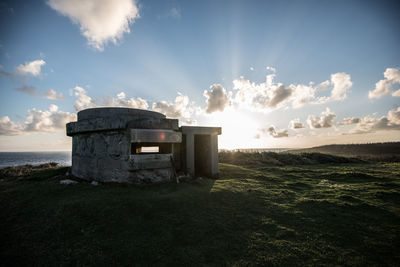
271, 131
100, 21
122, 101
277, 134
303, 94
263, 96
8, 127
22, 73
349, 121
216, 98
270, 95
30, 68
396, 93
296, 124
182, 108
52, 94
37, 121
323, 121
84, 101
341, 83
271, 69
383, 87
27, 89
369, 124
322, 86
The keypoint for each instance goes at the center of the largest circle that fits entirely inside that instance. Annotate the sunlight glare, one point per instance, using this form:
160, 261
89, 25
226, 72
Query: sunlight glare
238, 129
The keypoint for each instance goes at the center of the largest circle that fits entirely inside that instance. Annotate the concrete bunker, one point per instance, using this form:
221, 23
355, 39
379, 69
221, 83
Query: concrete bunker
139, 146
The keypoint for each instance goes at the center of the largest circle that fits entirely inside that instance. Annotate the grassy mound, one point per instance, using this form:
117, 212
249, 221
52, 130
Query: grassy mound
347, 214
375, 152
280, 159
23, 170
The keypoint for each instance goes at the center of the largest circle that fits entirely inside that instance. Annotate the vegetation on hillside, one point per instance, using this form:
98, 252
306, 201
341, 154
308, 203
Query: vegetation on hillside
281, 159
253, 215
24, 170
384, 152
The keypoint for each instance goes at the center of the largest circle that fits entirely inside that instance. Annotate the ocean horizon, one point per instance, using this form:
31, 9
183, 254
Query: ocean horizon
63, 158
7, 159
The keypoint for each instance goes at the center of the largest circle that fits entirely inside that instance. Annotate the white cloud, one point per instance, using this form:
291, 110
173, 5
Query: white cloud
341, 83
349, 121
122, 101
22, 74
383, 87
100, 21
396, 93
8, 127
270, 95
272, 132
322, 86
277, 134
323, 121
216, 98
30, 68
296, 124
272, 69
263, 96
37, 121
52, 94
182, 108
369, 124
302, 94
47, 121
83, 101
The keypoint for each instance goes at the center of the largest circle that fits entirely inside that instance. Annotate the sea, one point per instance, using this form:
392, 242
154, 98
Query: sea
63, 158
7, 159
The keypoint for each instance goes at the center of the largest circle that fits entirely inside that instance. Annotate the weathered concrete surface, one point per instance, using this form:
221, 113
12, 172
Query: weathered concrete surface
209, 157
101, 146
155, 136
107, 146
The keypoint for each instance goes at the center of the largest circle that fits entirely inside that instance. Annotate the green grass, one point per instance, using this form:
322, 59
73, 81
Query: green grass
253, 215
375, 152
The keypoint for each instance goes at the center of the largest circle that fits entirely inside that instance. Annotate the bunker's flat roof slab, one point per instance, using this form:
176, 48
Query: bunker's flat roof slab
201, 130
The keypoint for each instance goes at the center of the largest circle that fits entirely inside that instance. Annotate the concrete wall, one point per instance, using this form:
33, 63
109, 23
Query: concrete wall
207, 150
103, 139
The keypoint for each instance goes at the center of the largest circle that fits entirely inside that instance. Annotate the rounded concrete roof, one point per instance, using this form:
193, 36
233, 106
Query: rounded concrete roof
107, 112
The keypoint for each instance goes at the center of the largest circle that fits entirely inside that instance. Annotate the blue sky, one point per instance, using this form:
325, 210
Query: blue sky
164, 55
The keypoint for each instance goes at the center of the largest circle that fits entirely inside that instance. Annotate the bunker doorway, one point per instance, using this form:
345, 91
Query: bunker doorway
202, 155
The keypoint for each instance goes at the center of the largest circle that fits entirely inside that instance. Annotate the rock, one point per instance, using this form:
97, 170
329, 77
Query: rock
68, 181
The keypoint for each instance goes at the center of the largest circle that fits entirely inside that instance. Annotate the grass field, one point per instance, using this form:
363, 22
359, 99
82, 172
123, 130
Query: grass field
377, 152
262, 214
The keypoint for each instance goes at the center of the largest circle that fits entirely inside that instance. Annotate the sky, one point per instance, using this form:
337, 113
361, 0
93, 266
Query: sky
272, 74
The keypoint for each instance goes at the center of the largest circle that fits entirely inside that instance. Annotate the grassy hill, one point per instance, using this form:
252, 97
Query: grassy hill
253, 215
375, 151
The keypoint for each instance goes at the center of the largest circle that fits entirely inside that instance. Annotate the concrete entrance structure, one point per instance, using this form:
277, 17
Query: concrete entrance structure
139, 146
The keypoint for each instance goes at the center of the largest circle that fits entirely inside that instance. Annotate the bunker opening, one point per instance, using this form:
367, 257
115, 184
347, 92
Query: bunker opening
202, 155
151, 148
